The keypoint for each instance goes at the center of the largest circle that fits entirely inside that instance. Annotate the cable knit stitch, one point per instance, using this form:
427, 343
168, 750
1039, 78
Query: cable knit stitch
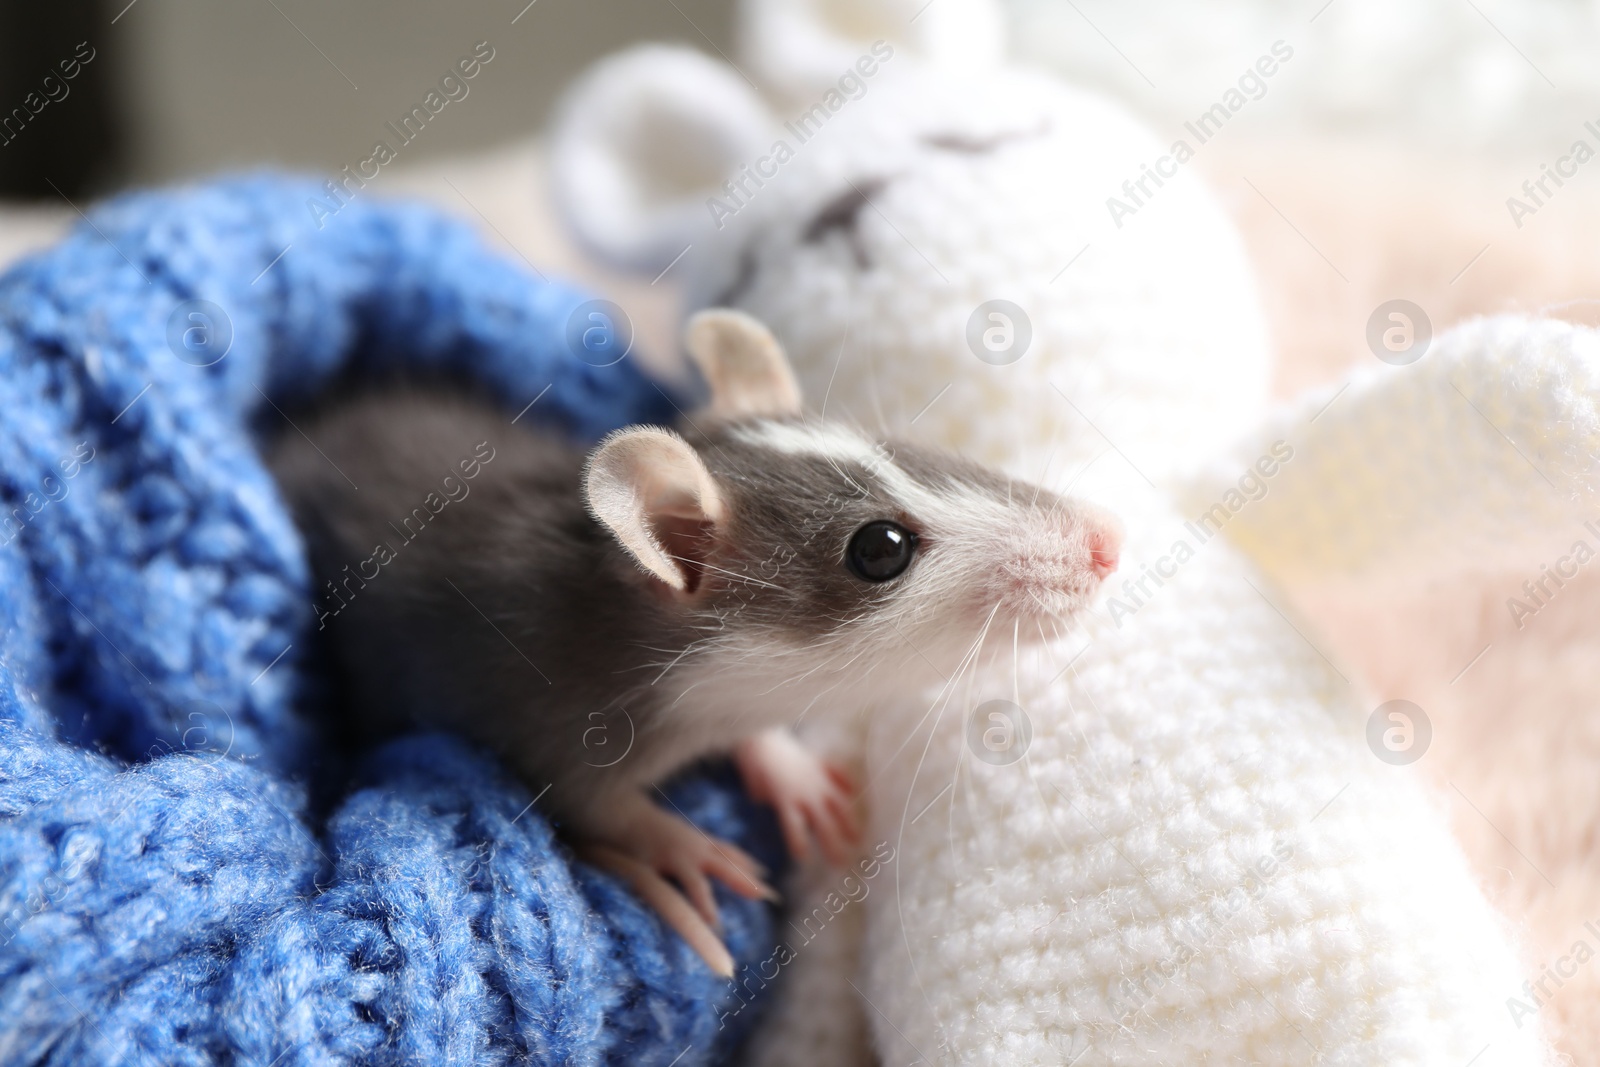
189, 873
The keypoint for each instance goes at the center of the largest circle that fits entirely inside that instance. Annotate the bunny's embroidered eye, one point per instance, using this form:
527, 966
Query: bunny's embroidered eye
880, 551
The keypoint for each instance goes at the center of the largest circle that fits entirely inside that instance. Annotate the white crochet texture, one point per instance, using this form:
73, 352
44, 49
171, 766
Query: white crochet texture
1489, 445
1199, 860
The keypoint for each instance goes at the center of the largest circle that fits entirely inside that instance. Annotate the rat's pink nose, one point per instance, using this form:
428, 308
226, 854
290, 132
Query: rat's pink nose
1105, 548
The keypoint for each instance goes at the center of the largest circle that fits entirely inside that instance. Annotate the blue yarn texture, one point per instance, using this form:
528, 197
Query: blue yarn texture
191, 872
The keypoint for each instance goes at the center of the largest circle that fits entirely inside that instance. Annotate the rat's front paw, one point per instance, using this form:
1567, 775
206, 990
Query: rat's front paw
646, 846
810, 796
667, 901
691, 857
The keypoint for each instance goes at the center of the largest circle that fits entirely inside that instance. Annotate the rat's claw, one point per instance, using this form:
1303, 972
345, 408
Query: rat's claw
697, 887
670, 904
690, 859
668, 846
796, 832
836, 830
844, 817
739, 871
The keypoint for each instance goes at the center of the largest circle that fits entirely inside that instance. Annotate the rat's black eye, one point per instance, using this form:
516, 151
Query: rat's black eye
880, 551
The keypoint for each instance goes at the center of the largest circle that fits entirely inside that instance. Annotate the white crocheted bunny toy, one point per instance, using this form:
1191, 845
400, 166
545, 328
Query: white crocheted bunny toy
1164, 838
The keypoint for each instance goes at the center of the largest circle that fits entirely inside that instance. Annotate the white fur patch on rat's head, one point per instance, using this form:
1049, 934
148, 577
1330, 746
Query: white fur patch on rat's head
987, 549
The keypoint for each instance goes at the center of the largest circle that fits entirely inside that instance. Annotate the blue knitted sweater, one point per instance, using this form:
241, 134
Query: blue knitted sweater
191, 872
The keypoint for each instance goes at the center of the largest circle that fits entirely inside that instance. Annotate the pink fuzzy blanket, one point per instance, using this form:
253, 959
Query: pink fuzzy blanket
1335, 230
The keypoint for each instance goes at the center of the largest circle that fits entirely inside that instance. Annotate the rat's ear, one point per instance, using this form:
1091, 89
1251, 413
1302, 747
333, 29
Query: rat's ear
641, 141
744, 365
653, 492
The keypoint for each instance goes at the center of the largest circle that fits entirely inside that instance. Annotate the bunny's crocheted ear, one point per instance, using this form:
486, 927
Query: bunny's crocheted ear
641, 141
799, 49
1481, 452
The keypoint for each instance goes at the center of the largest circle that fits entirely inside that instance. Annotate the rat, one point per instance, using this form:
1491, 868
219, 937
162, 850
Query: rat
604, 619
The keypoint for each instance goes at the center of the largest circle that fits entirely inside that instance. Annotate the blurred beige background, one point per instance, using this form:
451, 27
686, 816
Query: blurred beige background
214, 85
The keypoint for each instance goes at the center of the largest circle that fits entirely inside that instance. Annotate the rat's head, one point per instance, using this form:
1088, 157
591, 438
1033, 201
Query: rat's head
799, 534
